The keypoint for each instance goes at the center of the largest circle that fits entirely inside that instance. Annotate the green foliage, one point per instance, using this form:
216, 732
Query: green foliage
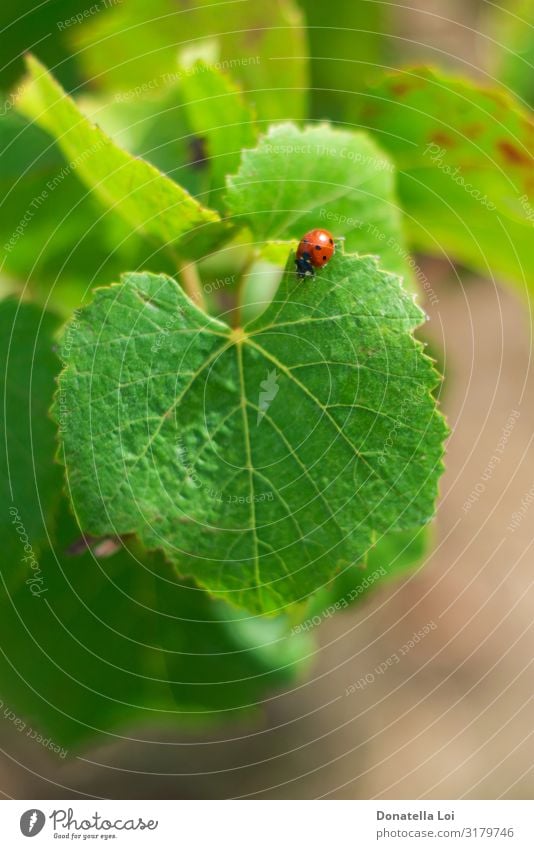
264, 47
148, 201
29, 480
513, 29
196, 132
273, 467
299, 179
338, 70
55, 236
25, 24
65, 252
172, 428
117, 641
220, 119
464, 155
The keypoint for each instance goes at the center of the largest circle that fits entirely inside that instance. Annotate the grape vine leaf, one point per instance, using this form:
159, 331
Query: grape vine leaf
263, 459
264, 47
30, 480
118, 641
148, 200
466, 168
296, 179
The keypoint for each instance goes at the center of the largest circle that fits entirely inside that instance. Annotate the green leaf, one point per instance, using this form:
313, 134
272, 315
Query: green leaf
220, 118
260, 460
295, 180
54, 235
119, 640
512, 33
264, 47
338, 70
195, 134
30, 480
24, 23
150, 202
465, 168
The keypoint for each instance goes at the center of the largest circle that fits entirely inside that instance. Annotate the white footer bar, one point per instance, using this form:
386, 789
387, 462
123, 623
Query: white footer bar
268, 824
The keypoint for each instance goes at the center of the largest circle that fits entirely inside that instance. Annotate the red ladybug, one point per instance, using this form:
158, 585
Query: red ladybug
315, 249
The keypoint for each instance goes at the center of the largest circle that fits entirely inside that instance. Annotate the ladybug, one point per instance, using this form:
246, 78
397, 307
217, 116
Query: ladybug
315, 249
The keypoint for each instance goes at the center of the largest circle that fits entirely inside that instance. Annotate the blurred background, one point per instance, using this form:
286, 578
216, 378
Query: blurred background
381, 714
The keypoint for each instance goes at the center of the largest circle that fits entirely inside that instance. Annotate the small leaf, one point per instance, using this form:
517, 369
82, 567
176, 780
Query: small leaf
464, 154
295, 180
195, 134
54, 235
218, 114
149, 201
30, 479
260, 460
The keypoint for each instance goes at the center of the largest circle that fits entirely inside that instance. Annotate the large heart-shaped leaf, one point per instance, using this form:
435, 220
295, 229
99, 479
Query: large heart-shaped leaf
148, 200
466, 169
296, 179
261, 460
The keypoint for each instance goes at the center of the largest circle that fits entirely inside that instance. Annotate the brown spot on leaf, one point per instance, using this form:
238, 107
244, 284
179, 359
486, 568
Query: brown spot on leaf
441, 138
400, 89
513, 154
472, 131
403, 86
255, 34
369, 111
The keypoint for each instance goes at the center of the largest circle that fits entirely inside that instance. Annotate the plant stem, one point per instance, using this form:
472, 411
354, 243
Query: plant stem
240, 289
191, 283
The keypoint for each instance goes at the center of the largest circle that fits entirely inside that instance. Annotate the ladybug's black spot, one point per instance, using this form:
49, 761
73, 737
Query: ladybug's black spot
198, 154
317, 247
331, 241
324, 258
